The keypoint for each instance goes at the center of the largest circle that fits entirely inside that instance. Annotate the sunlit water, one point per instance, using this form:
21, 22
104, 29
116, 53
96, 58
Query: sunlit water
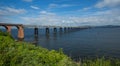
79, 43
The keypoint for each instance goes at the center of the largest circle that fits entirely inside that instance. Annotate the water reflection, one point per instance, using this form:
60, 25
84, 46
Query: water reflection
36, 40
55, 36
47, 36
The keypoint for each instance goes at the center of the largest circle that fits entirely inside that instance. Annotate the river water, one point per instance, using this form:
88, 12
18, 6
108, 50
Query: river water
94, 42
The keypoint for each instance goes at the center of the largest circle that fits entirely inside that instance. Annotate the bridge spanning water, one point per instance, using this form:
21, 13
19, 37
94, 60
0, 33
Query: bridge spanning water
21, 27
75, 42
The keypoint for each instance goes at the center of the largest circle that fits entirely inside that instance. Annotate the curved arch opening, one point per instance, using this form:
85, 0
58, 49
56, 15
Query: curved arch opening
3, 28
16, 31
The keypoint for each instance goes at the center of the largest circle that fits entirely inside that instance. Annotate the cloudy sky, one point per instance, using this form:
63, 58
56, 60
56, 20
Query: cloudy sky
60, 12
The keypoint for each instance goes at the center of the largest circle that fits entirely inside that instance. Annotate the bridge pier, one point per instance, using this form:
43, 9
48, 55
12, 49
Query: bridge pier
69, 29
60, 29
55, 30
8, 28
65, 29
47, 30
19, 27
36, 31
20, 32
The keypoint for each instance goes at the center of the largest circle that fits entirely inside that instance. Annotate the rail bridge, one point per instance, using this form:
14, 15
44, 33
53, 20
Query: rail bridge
21, 27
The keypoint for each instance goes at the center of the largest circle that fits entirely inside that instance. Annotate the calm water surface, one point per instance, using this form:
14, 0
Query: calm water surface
79, 43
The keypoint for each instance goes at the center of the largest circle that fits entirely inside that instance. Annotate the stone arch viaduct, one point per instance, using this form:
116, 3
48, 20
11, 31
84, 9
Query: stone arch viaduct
20, 28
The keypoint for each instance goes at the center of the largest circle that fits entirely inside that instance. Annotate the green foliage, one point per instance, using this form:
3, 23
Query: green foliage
96, 62
23, 54
5, 34
101, 62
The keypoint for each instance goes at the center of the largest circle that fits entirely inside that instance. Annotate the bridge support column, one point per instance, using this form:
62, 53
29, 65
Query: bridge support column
36, 31
47, 30
8, 28
60, 29
36, 35
65, 29
20, 33
68, 28
55, 30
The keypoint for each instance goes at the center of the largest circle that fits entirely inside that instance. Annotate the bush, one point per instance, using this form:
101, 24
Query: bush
5, 34
24, 54
101, 62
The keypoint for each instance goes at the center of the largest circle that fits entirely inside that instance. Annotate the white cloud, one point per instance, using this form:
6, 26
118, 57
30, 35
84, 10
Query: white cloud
46, 13
43, 12
53, 5
107, 17
103, 17
111, 12
4, 19
108, 3
11, 11
34, 7
28, 0
87, 8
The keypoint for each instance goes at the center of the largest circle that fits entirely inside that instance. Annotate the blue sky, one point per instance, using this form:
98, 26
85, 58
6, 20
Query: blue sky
60, 12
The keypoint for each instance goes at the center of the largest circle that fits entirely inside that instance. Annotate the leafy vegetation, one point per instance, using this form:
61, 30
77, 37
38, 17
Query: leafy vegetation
101, 62
24, 54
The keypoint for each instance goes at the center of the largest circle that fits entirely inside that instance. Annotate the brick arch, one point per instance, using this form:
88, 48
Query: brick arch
8, 28
19, 27
20, 32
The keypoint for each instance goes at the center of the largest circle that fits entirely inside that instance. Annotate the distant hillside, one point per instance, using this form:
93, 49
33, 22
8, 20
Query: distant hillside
108, 26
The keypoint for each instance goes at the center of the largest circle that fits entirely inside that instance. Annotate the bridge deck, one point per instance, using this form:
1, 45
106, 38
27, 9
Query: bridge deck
4, 24
42, 26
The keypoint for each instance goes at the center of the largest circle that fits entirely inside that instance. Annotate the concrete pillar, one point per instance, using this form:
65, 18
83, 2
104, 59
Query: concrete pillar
65, 29
60, 29
20, 33
36, 31
68, 28
72, 28
47, 30
8, 28
55, 30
